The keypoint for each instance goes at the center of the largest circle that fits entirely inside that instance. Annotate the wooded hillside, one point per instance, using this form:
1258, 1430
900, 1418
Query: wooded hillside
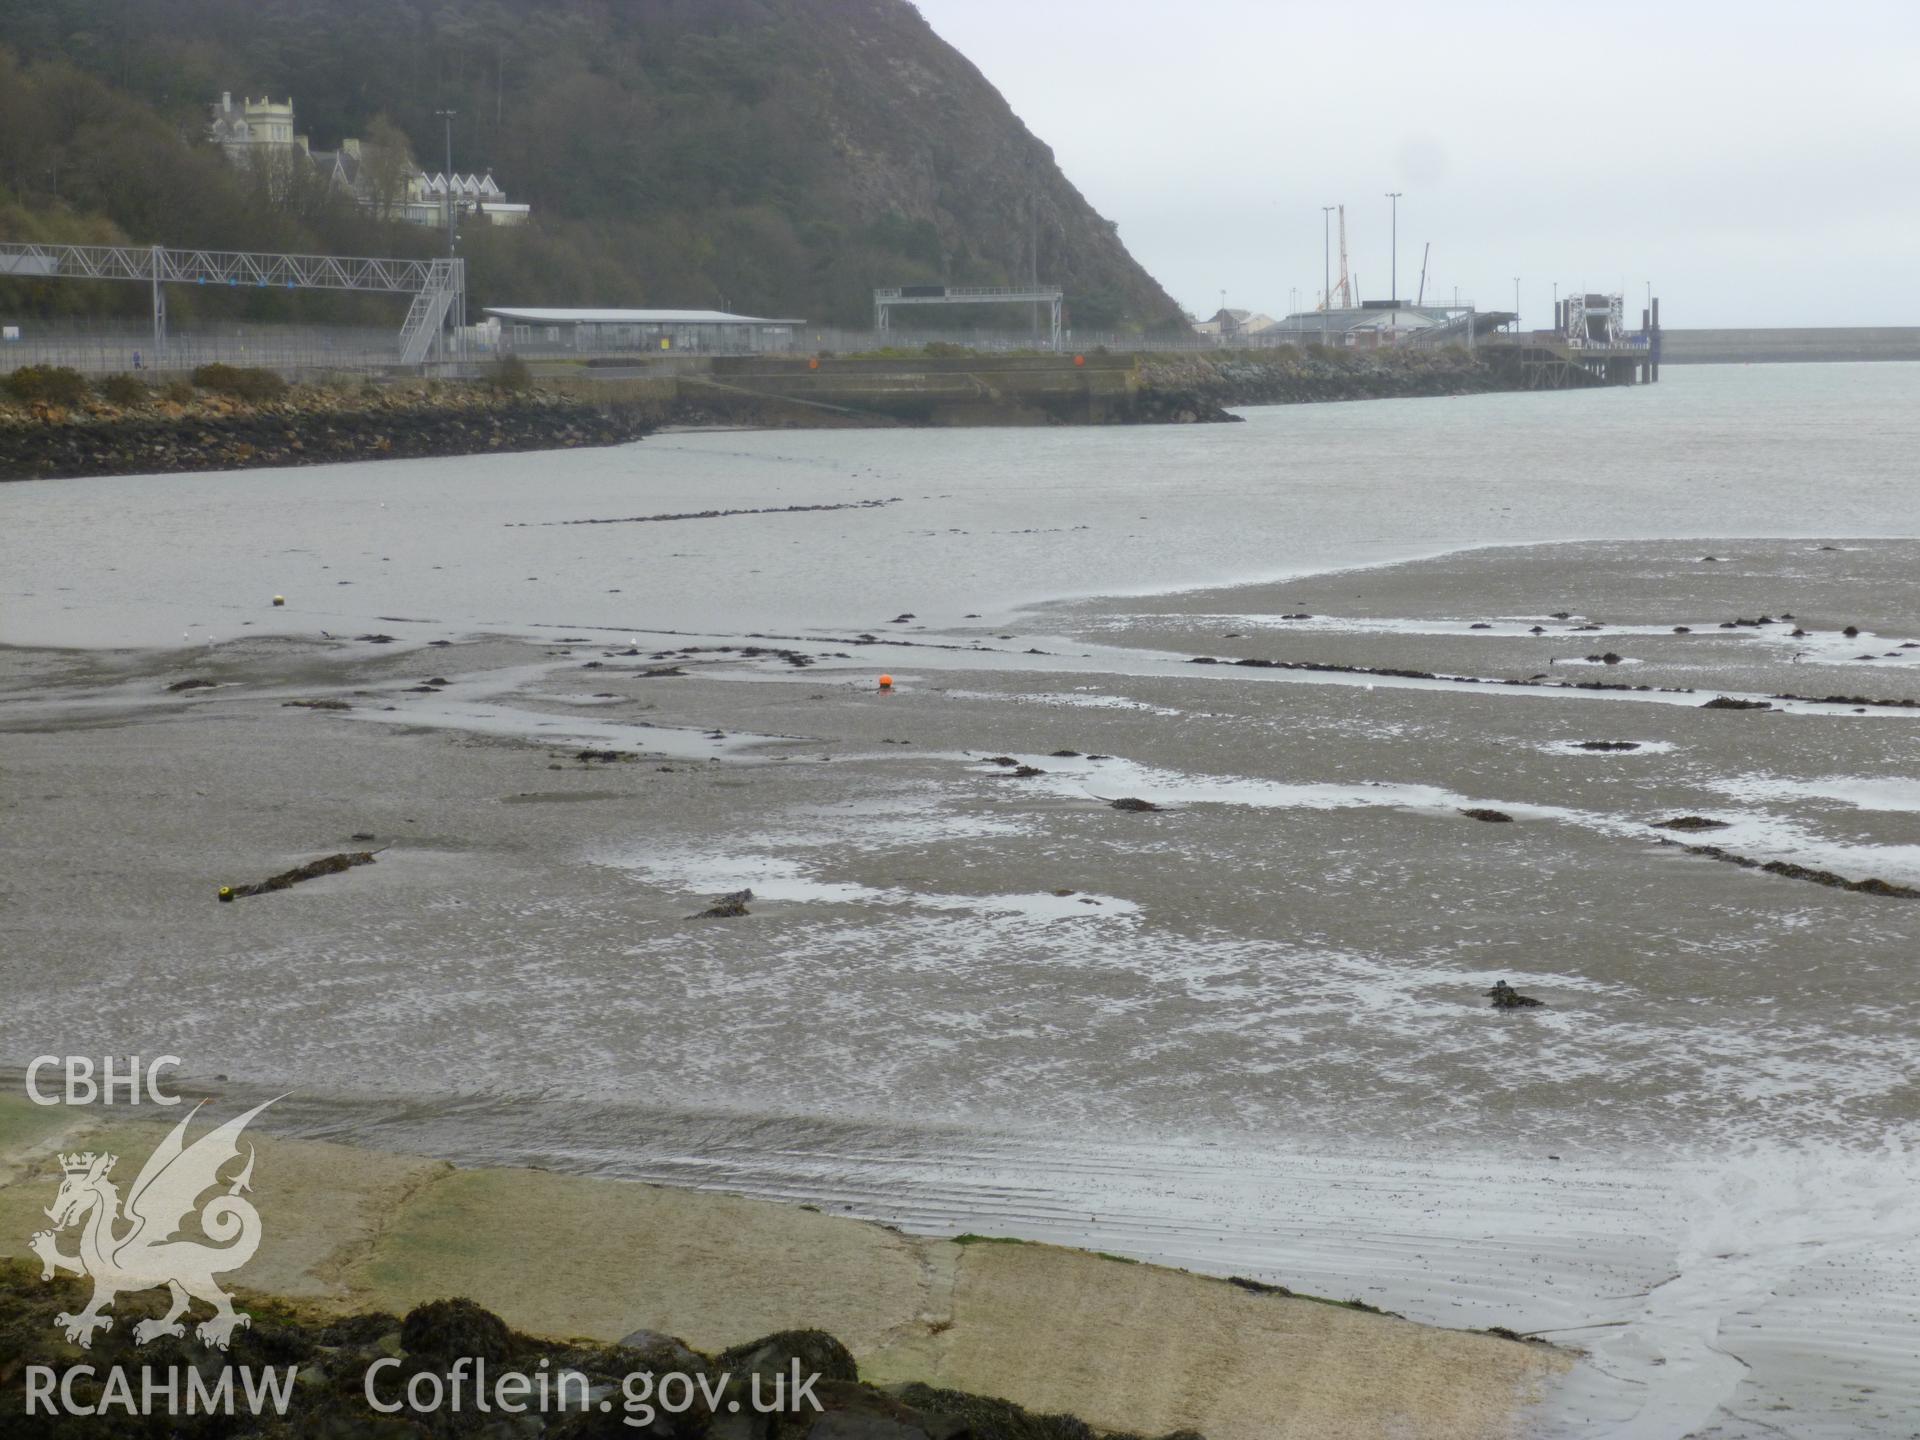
768, 156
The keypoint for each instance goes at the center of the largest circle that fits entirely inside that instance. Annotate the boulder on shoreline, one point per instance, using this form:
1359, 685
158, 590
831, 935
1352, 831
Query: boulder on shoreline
1505, 997
331, 1358
1490, 817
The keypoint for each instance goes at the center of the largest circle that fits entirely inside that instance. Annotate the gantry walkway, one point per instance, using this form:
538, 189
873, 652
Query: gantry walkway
438, 286
1051, 296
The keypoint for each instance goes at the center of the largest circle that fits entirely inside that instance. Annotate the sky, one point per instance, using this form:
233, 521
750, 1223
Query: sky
1755, 164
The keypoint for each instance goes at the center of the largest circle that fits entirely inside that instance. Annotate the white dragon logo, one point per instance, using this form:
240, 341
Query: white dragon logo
147, 1255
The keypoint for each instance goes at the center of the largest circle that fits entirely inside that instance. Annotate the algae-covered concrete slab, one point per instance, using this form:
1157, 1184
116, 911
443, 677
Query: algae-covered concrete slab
1145, 1348
26, 1130
30, 1138
1128, 1346
321, 1206
560, 1255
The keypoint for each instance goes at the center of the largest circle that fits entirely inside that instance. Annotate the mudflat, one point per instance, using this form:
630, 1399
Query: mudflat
1241, 1026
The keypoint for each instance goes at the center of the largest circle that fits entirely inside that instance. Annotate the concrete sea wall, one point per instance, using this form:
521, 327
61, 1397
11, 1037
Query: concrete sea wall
1734, 347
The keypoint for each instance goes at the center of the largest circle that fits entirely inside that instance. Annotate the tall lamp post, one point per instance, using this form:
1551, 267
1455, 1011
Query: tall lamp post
448, 115
1393, 277
1516, 304
1326, 267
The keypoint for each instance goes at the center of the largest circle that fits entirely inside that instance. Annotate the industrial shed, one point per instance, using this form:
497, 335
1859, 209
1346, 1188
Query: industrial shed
542, 331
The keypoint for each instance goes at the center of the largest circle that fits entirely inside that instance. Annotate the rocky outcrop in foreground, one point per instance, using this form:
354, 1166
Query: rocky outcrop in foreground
448, 1343
306, 426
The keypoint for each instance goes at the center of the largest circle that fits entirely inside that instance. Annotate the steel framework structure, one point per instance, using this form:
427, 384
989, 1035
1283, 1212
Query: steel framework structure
438, 286
1049, 295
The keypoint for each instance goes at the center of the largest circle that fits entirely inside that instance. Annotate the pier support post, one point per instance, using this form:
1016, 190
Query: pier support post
159, 309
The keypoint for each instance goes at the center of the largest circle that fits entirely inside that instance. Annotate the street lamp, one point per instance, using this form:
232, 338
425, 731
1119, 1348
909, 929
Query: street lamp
1326, 266
448, 115
1393, 277
1326, 255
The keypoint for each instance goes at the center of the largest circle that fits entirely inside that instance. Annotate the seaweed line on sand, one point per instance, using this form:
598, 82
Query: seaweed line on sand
712, 514
1327, 667
1791, 871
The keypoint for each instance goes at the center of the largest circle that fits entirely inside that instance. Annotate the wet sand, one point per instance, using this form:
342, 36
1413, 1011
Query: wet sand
1252, 1036
1017, 1002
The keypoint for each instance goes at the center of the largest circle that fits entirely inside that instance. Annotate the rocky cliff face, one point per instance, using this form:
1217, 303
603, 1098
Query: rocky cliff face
923, 135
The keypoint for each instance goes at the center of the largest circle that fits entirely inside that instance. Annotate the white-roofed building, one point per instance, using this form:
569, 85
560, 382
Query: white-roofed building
1233, 324
1379, 323
426, 202
594, 331
263, 132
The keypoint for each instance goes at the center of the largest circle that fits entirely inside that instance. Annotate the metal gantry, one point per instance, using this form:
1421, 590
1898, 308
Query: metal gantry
1049, 295
438, 286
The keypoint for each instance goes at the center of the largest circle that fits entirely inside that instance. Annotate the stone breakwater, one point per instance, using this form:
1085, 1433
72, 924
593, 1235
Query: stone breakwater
307, 427
311, 425
1195, 386
964, 388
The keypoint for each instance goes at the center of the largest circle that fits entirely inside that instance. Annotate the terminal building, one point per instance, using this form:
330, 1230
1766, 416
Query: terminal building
1379, 323
549, 331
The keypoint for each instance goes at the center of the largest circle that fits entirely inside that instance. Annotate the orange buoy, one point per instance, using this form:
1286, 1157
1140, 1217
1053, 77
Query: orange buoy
1079, 359
813, 364
886, 682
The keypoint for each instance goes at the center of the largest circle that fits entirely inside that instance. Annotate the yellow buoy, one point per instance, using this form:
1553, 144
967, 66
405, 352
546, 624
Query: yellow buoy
279, 599
226, 893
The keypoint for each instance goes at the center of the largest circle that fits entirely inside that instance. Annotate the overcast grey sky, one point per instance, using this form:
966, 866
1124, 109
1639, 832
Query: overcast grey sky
1758, 162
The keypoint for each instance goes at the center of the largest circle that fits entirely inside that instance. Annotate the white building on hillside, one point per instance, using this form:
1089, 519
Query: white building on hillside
426, 202
263, 133
237, 129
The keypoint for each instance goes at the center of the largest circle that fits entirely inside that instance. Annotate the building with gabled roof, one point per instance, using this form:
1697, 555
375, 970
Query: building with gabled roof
264, 133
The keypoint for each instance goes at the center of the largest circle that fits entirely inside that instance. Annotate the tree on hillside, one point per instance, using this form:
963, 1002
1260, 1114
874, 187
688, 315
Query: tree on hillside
386, 161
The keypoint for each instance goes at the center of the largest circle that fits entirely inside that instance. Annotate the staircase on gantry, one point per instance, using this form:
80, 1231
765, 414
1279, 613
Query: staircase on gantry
438, 286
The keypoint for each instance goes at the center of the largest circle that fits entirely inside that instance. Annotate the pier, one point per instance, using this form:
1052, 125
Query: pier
1551, 362
1590, 346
